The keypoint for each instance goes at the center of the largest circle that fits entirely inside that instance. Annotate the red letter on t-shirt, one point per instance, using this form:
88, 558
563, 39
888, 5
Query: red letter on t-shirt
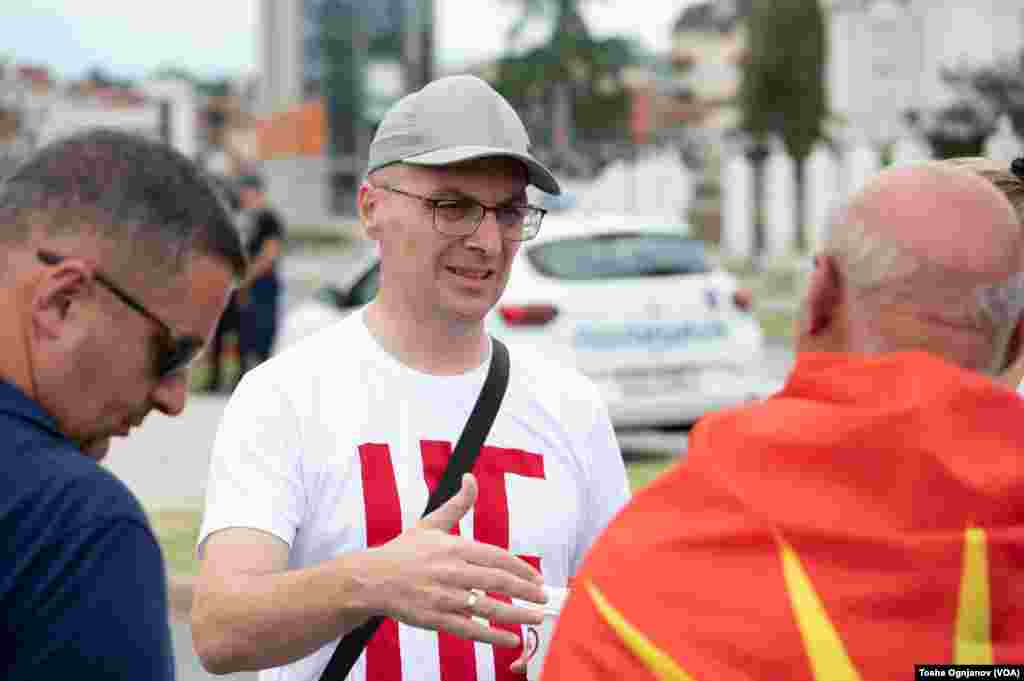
490, 526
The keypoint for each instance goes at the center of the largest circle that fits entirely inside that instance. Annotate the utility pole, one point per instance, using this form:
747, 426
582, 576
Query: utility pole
417, 43
343, 45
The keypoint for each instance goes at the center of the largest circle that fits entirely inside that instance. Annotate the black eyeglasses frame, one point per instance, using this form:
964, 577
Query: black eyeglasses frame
434, 201
176, 353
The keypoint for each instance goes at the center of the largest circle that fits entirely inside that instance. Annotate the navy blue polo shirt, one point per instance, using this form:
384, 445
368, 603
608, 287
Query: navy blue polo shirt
83, 593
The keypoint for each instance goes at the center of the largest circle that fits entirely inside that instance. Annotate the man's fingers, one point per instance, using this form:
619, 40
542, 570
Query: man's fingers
497, 611
459, 602
496, 580
451, 511
465, 627
488, 556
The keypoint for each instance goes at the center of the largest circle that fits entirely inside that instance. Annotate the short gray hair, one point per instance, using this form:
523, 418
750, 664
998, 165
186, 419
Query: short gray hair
141, 195
871, 262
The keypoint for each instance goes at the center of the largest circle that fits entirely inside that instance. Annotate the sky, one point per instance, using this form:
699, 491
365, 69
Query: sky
218, 38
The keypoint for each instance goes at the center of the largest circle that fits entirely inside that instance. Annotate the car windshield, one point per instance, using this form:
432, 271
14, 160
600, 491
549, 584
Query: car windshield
619, 255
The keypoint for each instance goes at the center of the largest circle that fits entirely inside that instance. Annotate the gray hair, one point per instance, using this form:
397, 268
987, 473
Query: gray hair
872, 262
147, 199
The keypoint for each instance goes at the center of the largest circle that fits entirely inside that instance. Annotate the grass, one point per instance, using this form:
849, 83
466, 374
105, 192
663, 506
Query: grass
776, 289
642, 472
177, 531
777, 324
327, 238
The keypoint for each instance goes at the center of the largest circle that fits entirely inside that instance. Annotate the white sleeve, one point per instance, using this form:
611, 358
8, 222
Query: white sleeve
256, 478
604, 484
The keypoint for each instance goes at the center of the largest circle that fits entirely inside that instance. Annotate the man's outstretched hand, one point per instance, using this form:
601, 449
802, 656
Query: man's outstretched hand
425, 578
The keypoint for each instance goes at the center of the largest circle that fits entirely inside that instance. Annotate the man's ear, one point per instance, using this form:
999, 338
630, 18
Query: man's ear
824, 294
368, 206
53, 302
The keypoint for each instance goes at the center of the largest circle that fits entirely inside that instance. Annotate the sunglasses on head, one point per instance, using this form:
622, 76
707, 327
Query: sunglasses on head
175, 353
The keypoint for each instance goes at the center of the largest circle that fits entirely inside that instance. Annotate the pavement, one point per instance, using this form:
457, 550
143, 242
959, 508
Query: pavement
186, 662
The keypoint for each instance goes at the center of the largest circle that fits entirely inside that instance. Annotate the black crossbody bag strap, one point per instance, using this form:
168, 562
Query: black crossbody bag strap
461, 461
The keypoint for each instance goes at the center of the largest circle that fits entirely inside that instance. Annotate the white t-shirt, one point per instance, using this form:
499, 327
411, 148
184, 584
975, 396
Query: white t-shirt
308, 433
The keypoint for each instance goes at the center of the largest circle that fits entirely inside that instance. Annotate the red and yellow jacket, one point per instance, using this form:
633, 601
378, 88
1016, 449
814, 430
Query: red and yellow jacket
867, 518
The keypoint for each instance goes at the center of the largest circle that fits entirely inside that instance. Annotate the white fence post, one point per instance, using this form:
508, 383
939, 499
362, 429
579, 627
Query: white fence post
738, 206
907, 149
830, 179
664, 186
180, 98
822, 193
1004, 145
780, 197
658, 185
861, 162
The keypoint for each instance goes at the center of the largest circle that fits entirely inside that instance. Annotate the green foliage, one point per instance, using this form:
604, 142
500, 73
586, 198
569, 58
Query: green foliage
173, 71
177, 531
642, 473
590, 67
782, 92
566, 14
783, 86
103, 78
999, 85
959, 129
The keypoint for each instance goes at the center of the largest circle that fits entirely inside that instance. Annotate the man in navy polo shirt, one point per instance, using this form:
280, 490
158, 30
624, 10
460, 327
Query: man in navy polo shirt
117, 259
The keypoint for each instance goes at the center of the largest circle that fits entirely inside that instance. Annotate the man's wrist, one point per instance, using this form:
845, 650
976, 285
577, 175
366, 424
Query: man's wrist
358, 594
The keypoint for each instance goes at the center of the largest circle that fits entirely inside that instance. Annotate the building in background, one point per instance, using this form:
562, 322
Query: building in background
280, 55
884, 72
885, 56
708, 48
25, 93
318, 109
36, 109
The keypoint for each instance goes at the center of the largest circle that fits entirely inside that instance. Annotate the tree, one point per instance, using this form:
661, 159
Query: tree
569, 88
999, 86
782, 91
102, 78
959, 129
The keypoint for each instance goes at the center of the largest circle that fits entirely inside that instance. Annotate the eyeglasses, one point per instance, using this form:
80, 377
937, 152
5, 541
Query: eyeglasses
463, 216
175, 353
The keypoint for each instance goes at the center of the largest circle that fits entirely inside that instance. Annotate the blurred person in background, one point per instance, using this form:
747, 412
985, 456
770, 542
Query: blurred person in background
259, 294
327, 452
868, 517
118, 258
222, 357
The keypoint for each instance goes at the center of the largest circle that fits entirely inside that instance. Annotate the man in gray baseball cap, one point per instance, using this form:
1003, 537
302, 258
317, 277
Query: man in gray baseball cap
455, 119
328, 451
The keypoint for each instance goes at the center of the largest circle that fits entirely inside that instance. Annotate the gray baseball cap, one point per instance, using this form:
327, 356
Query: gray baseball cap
454, 119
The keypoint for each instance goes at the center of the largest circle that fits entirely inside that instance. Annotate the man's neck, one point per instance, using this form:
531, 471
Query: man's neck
433, 346
14, 360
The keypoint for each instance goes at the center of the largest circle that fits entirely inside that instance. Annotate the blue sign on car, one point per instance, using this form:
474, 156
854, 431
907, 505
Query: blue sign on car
651, 335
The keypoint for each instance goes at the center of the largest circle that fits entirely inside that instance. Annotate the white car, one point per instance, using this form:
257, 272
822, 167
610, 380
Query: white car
634, 304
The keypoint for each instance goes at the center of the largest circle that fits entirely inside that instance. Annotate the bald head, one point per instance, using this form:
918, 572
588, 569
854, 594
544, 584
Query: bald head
949, 217
926, 257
